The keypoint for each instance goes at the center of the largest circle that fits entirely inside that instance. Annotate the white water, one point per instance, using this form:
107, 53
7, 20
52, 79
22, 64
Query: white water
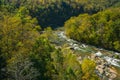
82, 47
112, 61
98, 53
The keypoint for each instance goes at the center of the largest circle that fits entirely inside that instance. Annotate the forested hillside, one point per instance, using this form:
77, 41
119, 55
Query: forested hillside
31, 50
55, 12
101, 29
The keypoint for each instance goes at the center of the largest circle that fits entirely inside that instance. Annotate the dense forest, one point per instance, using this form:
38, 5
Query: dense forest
101, 29
27, 48
55, 12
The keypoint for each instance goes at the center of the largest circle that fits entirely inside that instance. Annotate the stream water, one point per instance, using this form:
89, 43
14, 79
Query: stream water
108, 56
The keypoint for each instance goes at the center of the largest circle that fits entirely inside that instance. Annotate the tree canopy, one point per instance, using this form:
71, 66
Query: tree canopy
101, 29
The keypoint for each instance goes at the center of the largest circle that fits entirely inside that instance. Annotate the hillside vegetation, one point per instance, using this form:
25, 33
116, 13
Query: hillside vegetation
101, 29
55, 12
27, 51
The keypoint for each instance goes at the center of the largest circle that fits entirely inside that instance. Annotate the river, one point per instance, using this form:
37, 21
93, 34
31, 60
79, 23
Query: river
107, 62
109, 56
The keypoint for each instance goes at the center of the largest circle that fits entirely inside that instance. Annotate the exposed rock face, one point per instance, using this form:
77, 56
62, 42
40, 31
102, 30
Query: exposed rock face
104, 68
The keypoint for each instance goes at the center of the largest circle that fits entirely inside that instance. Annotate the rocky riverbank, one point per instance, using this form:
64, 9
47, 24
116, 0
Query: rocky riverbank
105, 60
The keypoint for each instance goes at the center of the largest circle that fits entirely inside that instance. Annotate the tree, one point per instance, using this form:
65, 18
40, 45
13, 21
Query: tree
41, 57
20, 67
101, 29
88, 68
66, 65
16, 35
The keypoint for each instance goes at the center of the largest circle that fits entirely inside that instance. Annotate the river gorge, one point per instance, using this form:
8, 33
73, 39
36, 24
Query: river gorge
108, 62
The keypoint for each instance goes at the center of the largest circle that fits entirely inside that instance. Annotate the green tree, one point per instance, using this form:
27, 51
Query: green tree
88, 68
41, 57
66, 65
101, 29
19, 67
